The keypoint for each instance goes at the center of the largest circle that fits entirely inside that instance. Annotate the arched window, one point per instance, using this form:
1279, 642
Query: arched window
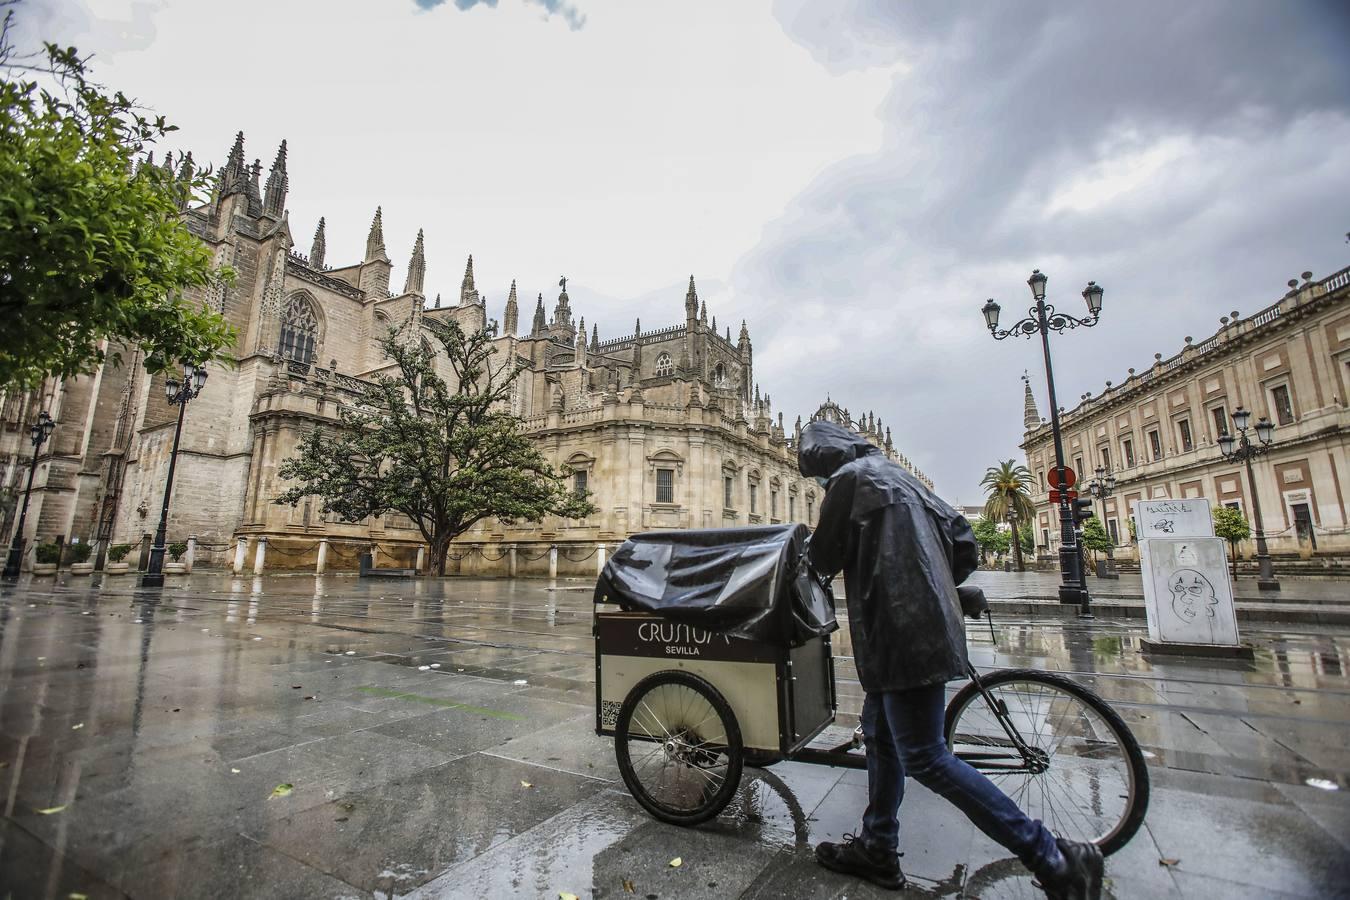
720, 376
299, 329
664, 365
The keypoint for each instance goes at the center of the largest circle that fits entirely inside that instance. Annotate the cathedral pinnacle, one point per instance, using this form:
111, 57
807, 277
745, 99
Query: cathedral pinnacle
233, 176
467, 292
512, 317
319, 248
274, 204
538, 326
703, 312
254, 190
691, 300
375, 240
1031, 418
595, 337
417, 268
745, 334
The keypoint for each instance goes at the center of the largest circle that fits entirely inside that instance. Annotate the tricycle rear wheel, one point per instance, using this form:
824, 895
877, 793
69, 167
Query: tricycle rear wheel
679, 747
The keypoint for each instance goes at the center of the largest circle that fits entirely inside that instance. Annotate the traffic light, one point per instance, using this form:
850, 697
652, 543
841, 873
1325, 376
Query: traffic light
1082, 510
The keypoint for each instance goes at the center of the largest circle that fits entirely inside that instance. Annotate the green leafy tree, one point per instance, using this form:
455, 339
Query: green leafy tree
445, 455
1027, 538
1009, 486
1232, 526
93, 252
989, 537
1095, 538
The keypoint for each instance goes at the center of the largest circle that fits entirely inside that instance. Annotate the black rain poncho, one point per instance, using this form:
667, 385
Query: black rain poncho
903, 552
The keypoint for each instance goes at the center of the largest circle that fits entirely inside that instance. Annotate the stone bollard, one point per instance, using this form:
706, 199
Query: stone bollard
240, 554
322, 565
511, 561
260, 557
421, 557
553, 561
374, 556
599, 558
191, 554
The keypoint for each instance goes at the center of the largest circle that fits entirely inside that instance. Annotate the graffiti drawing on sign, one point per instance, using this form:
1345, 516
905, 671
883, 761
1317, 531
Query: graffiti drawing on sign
1187, 593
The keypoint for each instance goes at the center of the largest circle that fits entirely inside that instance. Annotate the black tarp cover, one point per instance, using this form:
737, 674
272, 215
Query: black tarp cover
746, 582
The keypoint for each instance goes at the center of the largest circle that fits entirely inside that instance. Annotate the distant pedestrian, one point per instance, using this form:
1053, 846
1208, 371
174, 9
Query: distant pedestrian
903, 551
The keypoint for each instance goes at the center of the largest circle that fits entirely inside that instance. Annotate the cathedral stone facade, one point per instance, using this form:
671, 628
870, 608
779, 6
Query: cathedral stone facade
665, 427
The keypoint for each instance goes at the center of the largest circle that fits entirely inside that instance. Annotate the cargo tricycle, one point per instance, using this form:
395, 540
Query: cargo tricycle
713, 652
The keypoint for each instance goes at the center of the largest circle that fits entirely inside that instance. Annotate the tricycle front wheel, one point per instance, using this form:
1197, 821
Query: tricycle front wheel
679, 747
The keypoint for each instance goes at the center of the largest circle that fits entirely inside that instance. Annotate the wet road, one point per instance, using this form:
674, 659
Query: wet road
325, 737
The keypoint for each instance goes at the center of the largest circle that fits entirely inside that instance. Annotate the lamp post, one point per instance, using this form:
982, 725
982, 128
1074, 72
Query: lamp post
1042, 319
1102, 486
38, 433
179, 392
1243, 449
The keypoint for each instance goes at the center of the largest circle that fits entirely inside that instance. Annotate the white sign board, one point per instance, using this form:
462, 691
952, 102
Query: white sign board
1187, 593
1172, 519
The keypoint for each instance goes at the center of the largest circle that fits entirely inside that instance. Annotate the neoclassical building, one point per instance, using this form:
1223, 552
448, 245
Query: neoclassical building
1158, 430
665, 427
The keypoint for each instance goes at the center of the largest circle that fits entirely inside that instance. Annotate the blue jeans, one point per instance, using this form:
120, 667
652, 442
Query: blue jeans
904, 737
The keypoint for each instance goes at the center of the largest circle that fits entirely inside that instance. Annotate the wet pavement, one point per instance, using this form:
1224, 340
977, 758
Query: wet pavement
295, 736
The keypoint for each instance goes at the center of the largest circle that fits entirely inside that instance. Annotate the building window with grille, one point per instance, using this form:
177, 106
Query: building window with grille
720, 376
1184, 432
773, 504
792, 508
1115, 531
1283, 404
1106, 458
810, 509
1127, 447
1155, 444
579, 479
754, 498
665, 485
664, 366
299, 330
1220, 421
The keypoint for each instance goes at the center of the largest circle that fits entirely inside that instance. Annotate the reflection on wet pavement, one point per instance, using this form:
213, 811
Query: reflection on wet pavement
437, 738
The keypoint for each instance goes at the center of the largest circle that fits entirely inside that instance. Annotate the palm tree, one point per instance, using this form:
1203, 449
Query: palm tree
1009, 486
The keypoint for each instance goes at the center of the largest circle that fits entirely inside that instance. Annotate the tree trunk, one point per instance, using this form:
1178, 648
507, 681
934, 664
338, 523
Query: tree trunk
1017, 546
1232, 546
440, 547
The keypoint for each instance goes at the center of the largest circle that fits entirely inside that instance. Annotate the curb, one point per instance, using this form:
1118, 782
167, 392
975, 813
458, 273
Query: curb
1053, 609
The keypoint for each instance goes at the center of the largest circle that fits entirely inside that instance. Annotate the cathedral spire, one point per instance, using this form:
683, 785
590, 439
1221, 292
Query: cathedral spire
274, 203
691, 301
319, 248
539, 325
745, 335
703, 312
467, 293
232, 176
254, 190
595, 337
1031, 419
417, 268
512, 317
375, 240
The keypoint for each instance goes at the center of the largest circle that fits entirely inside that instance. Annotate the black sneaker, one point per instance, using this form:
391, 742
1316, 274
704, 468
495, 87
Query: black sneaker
1082, 875
852, 857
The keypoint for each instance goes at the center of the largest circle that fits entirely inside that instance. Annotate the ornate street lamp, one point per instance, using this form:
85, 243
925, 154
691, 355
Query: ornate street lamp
38, 433
1042, 319
1243, 449
1102, 486
179, 392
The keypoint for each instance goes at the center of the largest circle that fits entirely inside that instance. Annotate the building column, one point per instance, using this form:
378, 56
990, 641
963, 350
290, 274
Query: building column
553, 561
260, 556
599, 558
240, 554
191, 553
421, 556
511, 560
322, 565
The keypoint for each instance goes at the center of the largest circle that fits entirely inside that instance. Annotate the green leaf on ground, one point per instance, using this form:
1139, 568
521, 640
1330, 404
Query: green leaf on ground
282, 790
51, 810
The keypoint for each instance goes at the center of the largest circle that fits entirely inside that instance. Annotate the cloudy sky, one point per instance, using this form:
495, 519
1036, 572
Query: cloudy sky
854, 177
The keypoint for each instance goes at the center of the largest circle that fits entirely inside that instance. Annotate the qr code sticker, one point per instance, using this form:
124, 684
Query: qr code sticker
609, 713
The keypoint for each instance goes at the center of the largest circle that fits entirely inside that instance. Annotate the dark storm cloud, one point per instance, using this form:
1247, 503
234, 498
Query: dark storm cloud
1185, 156
570, 14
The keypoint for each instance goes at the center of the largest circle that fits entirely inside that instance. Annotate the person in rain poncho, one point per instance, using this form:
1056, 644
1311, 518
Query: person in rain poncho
903, 552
